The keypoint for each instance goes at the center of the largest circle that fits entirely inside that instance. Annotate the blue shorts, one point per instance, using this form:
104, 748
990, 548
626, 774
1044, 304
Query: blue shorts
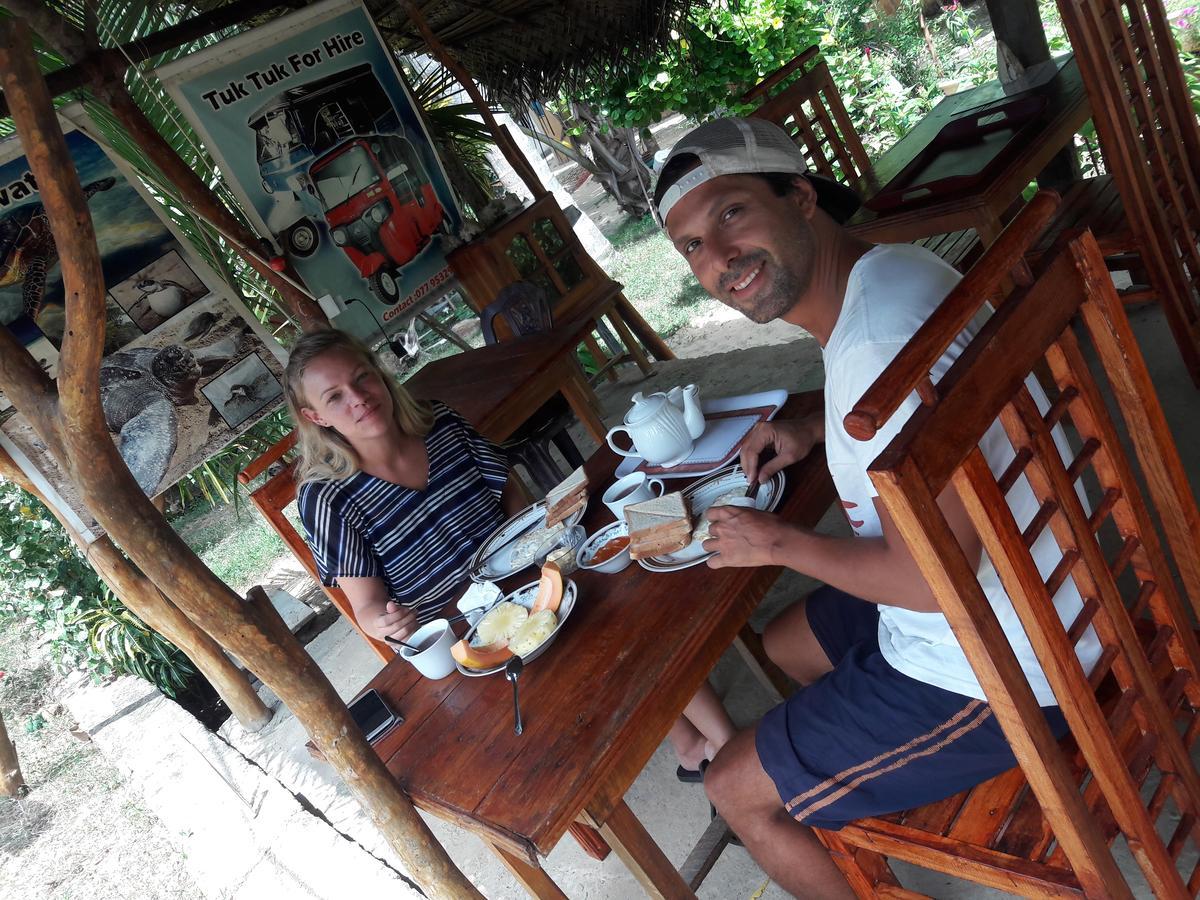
867, 740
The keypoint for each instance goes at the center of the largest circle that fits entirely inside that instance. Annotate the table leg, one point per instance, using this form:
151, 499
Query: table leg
589, 840
645, 859
631, 344
749, 646
583, 401
649, 337
603, 363
533, 878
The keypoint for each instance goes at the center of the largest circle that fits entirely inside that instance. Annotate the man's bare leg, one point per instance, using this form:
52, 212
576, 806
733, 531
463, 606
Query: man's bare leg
788, 852
790, 643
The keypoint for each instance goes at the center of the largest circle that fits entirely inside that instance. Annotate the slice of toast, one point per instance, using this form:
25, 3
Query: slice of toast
658, 526
664, 541
567, 497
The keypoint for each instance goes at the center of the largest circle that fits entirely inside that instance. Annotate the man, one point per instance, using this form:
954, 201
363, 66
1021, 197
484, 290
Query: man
889, 715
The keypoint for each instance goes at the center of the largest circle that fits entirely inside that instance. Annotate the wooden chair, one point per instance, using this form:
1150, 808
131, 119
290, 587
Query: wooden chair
1045, 829
1149, 136
810, 109
525, 309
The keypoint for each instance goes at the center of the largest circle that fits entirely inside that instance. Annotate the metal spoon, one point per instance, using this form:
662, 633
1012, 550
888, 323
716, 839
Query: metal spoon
512, 672
399, 643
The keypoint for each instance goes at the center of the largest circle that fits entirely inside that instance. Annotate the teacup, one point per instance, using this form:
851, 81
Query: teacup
635, 487
433, 659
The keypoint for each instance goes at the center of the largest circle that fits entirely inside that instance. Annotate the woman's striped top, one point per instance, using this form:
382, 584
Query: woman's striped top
419, 542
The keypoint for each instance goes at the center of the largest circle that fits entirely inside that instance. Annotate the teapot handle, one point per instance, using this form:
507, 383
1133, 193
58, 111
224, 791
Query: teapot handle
631, 452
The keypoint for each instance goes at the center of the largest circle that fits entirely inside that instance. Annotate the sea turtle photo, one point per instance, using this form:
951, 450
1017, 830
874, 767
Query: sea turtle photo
28, 251
141, 389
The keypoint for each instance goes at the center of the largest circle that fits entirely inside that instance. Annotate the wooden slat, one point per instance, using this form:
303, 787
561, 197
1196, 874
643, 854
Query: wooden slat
979, 864
956, 311
1018, 572
904, 492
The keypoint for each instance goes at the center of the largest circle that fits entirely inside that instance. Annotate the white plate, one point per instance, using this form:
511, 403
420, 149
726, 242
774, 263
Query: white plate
523, 596
700, 497
733, 435
501, 543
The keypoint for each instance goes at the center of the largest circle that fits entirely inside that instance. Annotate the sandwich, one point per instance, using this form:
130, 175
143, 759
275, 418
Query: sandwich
736, 497
658, 526
567, 497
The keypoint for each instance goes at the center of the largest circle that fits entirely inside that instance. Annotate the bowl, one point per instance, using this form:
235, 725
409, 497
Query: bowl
589, 547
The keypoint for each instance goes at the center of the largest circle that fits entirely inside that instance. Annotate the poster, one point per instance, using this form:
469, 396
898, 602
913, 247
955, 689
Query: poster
317, 136
186, 368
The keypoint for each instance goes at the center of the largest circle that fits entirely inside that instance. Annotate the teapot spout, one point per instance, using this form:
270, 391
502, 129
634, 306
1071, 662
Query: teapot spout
693, 416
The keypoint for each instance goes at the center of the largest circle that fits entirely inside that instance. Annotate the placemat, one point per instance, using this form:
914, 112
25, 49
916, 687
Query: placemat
720, 442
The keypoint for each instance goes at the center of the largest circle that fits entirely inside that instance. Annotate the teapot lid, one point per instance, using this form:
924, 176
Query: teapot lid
644, 407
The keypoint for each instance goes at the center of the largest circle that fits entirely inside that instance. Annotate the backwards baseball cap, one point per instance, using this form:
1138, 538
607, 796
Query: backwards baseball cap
736, 146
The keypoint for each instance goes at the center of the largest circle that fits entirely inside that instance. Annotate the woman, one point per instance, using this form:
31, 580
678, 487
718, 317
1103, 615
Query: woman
395, 495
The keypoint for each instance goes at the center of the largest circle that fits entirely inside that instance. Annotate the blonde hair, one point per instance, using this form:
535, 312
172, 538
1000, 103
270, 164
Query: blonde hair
324, 454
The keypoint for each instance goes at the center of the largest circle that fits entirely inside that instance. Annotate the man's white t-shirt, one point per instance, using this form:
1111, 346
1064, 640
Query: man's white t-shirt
891, 291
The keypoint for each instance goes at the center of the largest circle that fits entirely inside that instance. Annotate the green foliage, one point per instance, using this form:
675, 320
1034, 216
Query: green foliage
45, 582
879, 63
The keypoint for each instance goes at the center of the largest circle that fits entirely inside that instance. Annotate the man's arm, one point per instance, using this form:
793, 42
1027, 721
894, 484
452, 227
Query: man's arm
877, 569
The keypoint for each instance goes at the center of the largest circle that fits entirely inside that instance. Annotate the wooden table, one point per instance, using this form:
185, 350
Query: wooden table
983, 208
596, 705
498, 387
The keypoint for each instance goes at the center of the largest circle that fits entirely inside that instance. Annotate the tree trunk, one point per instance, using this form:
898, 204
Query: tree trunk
72, 425
622, 173
12, 782
148, 604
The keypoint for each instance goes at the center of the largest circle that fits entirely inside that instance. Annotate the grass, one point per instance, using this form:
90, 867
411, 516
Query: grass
238, 546
657, 280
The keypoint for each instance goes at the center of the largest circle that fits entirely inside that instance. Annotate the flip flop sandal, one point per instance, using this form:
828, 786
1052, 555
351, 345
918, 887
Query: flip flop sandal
692, 776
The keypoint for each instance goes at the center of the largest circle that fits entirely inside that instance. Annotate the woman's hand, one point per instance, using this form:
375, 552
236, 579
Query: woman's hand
743, 537
397, 621
790, 439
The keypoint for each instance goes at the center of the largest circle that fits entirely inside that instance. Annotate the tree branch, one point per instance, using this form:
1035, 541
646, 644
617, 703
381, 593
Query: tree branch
565, 149
69, 41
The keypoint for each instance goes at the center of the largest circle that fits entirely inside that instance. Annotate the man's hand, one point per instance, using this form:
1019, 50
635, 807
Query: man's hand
398, 622
791, 440
743, 537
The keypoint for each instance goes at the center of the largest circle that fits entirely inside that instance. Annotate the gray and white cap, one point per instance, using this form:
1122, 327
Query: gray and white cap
734, 146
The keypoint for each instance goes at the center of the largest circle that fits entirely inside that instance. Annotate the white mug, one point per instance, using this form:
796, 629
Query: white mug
434, 659
633, 488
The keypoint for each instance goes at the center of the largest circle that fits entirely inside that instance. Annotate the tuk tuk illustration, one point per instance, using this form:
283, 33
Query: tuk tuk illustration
298, 125
380, 206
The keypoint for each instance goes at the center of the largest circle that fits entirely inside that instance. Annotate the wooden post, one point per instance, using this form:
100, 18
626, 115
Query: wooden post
12, 782
106, 80
71, 423
1019, 24
500, 134
147, 603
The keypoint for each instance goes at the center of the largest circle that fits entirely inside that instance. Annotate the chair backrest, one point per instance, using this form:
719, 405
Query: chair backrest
1147, 129
810, 109
524, 308
1134, 737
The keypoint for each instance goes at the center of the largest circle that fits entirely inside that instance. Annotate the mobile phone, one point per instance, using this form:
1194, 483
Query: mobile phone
372, 715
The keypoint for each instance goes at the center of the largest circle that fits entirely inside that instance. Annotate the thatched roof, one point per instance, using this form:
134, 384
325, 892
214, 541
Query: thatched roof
528, 49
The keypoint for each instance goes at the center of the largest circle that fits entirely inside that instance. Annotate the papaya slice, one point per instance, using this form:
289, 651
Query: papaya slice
485, 657
550, 589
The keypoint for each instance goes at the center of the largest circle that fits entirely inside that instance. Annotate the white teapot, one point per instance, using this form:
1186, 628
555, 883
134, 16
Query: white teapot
658, 430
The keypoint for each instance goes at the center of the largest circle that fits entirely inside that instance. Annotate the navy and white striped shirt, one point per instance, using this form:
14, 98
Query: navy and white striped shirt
419, 542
